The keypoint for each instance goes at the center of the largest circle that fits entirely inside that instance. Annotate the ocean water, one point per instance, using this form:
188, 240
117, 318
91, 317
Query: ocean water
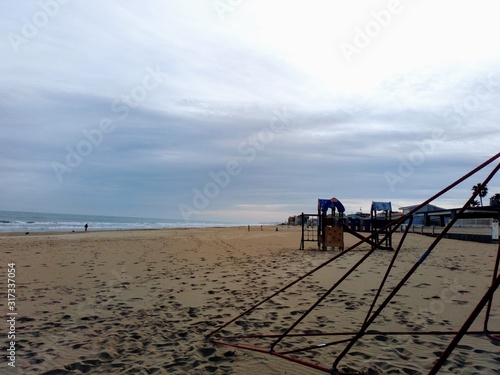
11, 221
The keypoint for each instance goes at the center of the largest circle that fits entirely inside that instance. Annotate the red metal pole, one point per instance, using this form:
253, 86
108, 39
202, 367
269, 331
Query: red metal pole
288, 358
414, 268
488, 295
490, 302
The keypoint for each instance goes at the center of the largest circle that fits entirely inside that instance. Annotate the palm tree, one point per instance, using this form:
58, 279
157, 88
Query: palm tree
483, 193
474, 203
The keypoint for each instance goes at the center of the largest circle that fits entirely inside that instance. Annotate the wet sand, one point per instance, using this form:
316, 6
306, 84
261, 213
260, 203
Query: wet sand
142, 302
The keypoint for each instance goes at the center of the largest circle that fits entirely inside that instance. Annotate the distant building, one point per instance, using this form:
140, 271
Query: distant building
426, 208
297, 219
419, 217
475, 223
495, 200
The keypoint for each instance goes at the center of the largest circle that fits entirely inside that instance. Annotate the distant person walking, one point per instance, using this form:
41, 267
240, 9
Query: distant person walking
86, 226
249, 228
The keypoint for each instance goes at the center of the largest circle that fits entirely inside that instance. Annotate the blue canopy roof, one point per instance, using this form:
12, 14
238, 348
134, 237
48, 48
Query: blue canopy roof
381, 206
325, 204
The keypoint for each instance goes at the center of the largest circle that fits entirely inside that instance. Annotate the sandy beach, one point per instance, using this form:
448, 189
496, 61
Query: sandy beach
142, 302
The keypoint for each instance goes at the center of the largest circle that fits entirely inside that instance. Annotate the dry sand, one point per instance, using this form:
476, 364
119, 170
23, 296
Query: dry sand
142, 302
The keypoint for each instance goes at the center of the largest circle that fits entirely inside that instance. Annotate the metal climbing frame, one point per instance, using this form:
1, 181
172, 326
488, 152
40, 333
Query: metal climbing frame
381, 217
376, 307
310, 229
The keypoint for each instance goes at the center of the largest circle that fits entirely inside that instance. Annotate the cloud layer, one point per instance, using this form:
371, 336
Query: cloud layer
244, 112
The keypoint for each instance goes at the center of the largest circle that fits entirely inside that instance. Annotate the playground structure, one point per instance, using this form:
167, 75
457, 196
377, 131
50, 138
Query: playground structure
327, 230
374, 308
380, 227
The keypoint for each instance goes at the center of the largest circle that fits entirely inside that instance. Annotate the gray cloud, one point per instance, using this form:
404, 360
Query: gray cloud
131, 108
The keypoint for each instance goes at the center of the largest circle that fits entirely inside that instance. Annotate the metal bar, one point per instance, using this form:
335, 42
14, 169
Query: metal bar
490, 302
487, 296
368, 333
457, 182
356, 234
399, 221
318, 346
288, 286
320, 299
415, 266
365, 239
296, 360
389, 268
302, 238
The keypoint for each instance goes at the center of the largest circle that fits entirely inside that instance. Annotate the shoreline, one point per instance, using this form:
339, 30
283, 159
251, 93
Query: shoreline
38, 222
52, 233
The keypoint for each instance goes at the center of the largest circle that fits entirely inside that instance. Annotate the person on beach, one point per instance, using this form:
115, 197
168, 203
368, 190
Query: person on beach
86, 226
249, 228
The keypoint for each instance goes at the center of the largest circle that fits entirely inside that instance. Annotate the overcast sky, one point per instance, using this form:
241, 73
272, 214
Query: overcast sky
244, 110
